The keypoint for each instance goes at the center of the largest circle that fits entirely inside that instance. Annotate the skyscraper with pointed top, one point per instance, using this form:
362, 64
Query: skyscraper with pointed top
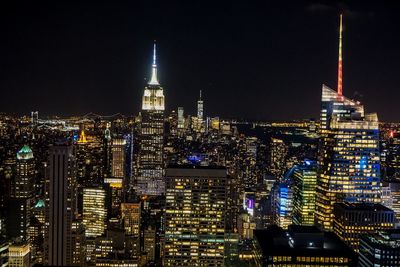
349, 158
150, 161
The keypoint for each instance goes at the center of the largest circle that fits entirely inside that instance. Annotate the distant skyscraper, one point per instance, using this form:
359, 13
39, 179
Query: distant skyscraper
181, 118
19, 205
94, 211
23, 182
278, 152
151, 167
200, 108
304, 183
196, 200
118, 158
60, 205
349, 158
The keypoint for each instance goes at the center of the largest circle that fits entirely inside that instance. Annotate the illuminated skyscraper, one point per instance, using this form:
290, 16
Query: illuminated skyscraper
118, 158
150, 172
195, 216
22, 186
349, 159
181, 118
94, 211
60, 205
283, 205
22, 192
278, 152
304, 183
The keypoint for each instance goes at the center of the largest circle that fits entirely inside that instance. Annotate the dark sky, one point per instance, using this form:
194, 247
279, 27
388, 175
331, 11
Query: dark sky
252, 59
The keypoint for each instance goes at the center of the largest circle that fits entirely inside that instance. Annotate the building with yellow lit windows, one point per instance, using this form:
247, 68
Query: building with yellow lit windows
195, 216
354, 219
94, 211
304, 179
349, 157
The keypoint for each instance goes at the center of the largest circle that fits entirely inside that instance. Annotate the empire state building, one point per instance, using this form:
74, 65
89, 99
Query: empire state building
151, 168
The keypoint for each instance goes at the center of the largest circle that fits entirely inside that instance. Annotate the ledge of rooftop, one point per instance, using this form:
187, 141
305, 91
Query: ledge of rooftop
275, 241
363, 206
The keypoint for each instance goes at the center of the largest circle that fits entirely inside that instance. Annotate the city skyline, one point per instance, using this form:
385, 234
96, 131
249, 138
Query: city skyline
253, 71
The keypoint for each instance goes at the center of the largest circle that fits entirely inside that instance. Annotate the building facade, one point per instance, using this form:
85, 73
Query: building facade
195, 216
60, 205
150, 163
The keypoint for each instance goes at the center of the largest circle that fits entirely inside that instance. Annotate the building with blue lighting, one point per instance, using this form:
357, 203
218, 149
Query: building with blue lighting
349, 157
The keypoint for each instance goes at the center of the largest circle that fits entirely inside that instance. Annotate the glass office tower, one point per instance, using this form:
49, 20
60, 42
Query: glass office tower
349, 161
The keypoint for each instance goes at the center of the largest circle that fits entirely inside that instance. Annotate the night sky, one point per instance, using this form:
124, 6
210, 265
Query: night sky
252, 59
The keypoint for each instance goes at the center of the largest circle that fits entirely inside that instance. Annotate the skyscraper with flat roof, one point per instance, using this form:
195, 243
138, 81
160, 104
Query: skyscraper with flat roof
195, 213
60, 205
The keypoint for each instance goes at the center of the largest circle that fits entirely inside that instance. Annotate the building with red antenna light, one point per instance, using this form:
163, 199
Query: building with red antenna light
349, 157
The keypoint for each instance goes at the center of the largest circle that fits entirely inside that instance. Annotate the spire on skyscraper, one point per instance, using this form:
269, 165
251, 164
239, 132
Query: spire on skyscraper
340, 78
154, 79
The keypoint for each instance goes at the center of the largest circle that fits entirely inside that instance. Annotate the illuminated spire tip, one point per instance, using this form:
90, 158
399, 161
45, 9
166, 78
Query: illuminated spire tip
340, 66
154, 79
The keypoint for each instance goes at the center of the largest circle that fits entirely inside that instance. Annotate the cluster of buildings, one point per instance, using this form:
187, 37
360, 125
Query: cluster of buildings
161, 189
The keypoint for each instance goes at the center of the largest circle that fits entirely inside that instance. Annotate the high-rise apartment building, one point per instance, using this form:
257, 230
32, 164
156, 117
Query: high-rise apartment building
349, 158
150, 163
60, 205
195, 213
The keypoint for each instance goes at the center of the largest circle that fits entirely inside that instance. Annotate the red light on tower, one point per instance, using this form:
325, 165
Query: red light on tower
340, 78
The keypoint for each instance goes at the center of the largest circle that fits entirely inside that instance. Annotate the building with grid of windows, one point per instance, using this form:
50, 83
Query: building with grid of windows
351, 220
94, 211
301, 246
380, 249
150, 162
349, 159
304, 179
195, 213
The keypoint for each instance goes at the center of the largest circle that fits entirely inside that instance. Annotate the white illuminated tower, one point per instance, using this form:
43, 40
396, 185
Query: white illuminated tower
150, 172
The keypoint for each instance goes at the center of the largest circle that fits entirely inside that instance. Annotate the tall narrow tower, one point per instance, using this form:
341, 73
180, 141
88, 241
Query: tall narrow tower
200, 108
349, 157
340, 77
151, 167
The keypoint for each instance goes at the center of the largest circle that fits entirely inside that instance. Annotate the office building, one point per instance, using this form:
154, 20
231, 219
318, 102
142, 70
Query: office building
60, 205
351, 220
304, 179
380, 249
349, 158
301, 246
151, 166
94, 211
195, 216
283, 203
